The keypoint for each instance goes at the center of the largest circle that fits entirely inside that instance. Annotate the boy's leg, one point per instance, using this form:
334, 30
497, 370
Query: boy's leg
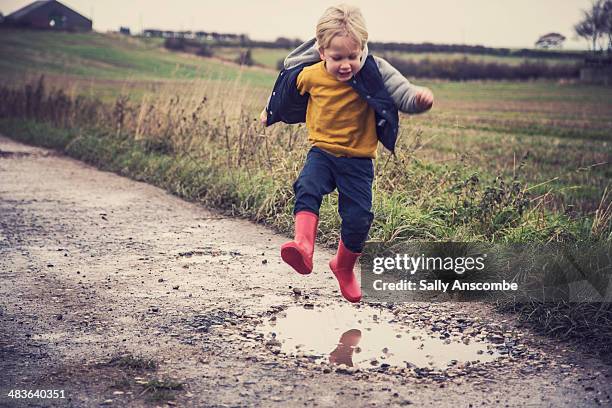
315, 180
354, 179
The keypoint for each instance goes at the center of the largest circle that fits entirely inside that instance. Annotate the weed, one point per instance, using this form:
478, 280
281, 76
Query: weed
161, 390
130, 361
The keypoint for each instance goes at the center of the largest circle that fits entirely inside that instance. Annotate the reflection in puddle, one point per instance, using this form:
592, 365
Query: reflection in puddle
365, 337
343, 353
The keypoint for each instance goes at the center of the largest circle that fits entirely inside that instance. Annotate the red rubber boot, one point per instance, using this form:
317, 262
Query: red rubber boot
342, 266
298, 253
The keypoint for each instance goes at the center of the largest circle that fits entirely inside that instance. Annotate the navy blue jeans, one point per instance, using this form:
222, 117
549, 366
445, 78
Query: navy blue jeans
353, 176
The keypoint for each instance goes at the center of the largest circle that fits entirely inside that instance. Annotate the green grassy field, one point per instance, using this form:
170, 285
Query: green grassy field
108, 57
565, 128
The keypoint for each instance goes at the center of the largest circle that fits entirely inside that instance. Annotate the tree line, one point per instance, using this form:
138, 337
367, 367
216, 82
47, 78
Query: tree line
596, 26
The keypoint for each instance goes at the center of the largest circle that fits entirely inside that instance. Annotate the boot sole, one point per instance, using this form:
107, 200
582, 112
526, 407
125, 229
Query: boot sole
294, 258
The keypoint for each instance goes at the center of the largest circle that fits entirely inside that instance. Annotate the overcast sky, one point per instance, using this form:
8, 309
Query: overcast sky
496, 23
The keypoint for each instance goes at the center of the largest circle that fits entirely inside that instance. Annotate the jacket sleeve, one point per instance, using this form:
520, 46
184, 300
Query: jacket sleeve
286, 104
401, 90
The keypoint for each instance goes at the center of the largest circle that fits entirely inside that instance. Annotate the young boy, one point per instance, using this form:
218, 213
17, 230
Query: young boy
349, 101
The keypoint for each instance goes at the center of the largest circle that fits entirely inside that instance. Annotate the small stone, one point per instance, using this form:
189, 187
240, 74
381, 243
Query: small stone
297, 291
273, 343
342, 369
497, 339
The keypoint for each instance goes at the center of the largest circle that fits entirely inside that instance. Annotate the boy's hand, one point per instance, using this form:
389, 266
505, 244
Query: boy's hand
263, 117
424, 99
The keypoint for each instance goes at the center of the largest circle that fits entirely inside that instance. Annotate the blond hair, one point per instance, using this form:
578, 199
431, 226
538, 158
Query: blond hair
343, 20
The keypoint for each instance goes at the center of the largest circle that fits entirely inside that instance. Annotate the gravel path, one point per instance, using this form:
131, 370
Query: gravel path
120, 294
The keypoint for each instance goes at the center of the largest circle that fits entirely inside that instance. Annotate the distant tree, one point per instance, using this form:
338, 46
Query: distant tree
205, 50
244, 39
245, 58
595, 24
174, 44
586, 30
550, 40
607, 22
283, 42
598, 14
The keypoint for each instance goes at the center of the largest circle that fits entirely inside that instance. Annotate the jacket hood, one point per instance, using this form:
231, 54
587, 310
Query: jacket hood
308, 53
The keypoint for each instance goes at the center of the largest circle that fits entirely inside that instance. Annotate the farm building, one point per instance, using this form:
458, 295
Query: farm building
48, 14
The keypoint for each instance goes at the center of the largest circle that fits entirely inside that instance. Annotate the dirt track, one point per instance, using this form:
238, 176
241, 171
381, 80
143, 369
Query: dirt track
95, 266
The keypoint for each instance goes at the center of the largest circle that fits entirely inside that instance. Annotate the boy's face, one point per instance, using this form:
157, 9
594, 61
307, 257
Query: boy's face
342, 57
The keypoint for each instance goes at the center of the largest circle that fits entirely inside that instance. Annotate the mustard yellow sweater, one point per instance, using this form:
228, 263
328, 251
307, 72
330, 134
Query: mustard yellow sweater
339, 121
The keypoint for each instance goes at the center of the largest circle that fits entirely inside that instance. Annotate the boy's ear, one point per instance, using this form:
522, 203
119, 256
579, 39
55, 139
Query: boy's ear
321, 53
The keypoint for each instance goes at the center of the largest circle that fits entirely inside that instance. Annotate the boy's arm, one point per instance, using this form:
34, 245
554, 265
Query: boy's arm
286, 103
263, 116
300, 85
408, 98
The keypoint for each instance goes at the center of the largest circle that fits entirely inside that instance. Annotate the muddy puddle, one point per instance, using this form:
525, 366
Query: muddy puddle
366, 337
